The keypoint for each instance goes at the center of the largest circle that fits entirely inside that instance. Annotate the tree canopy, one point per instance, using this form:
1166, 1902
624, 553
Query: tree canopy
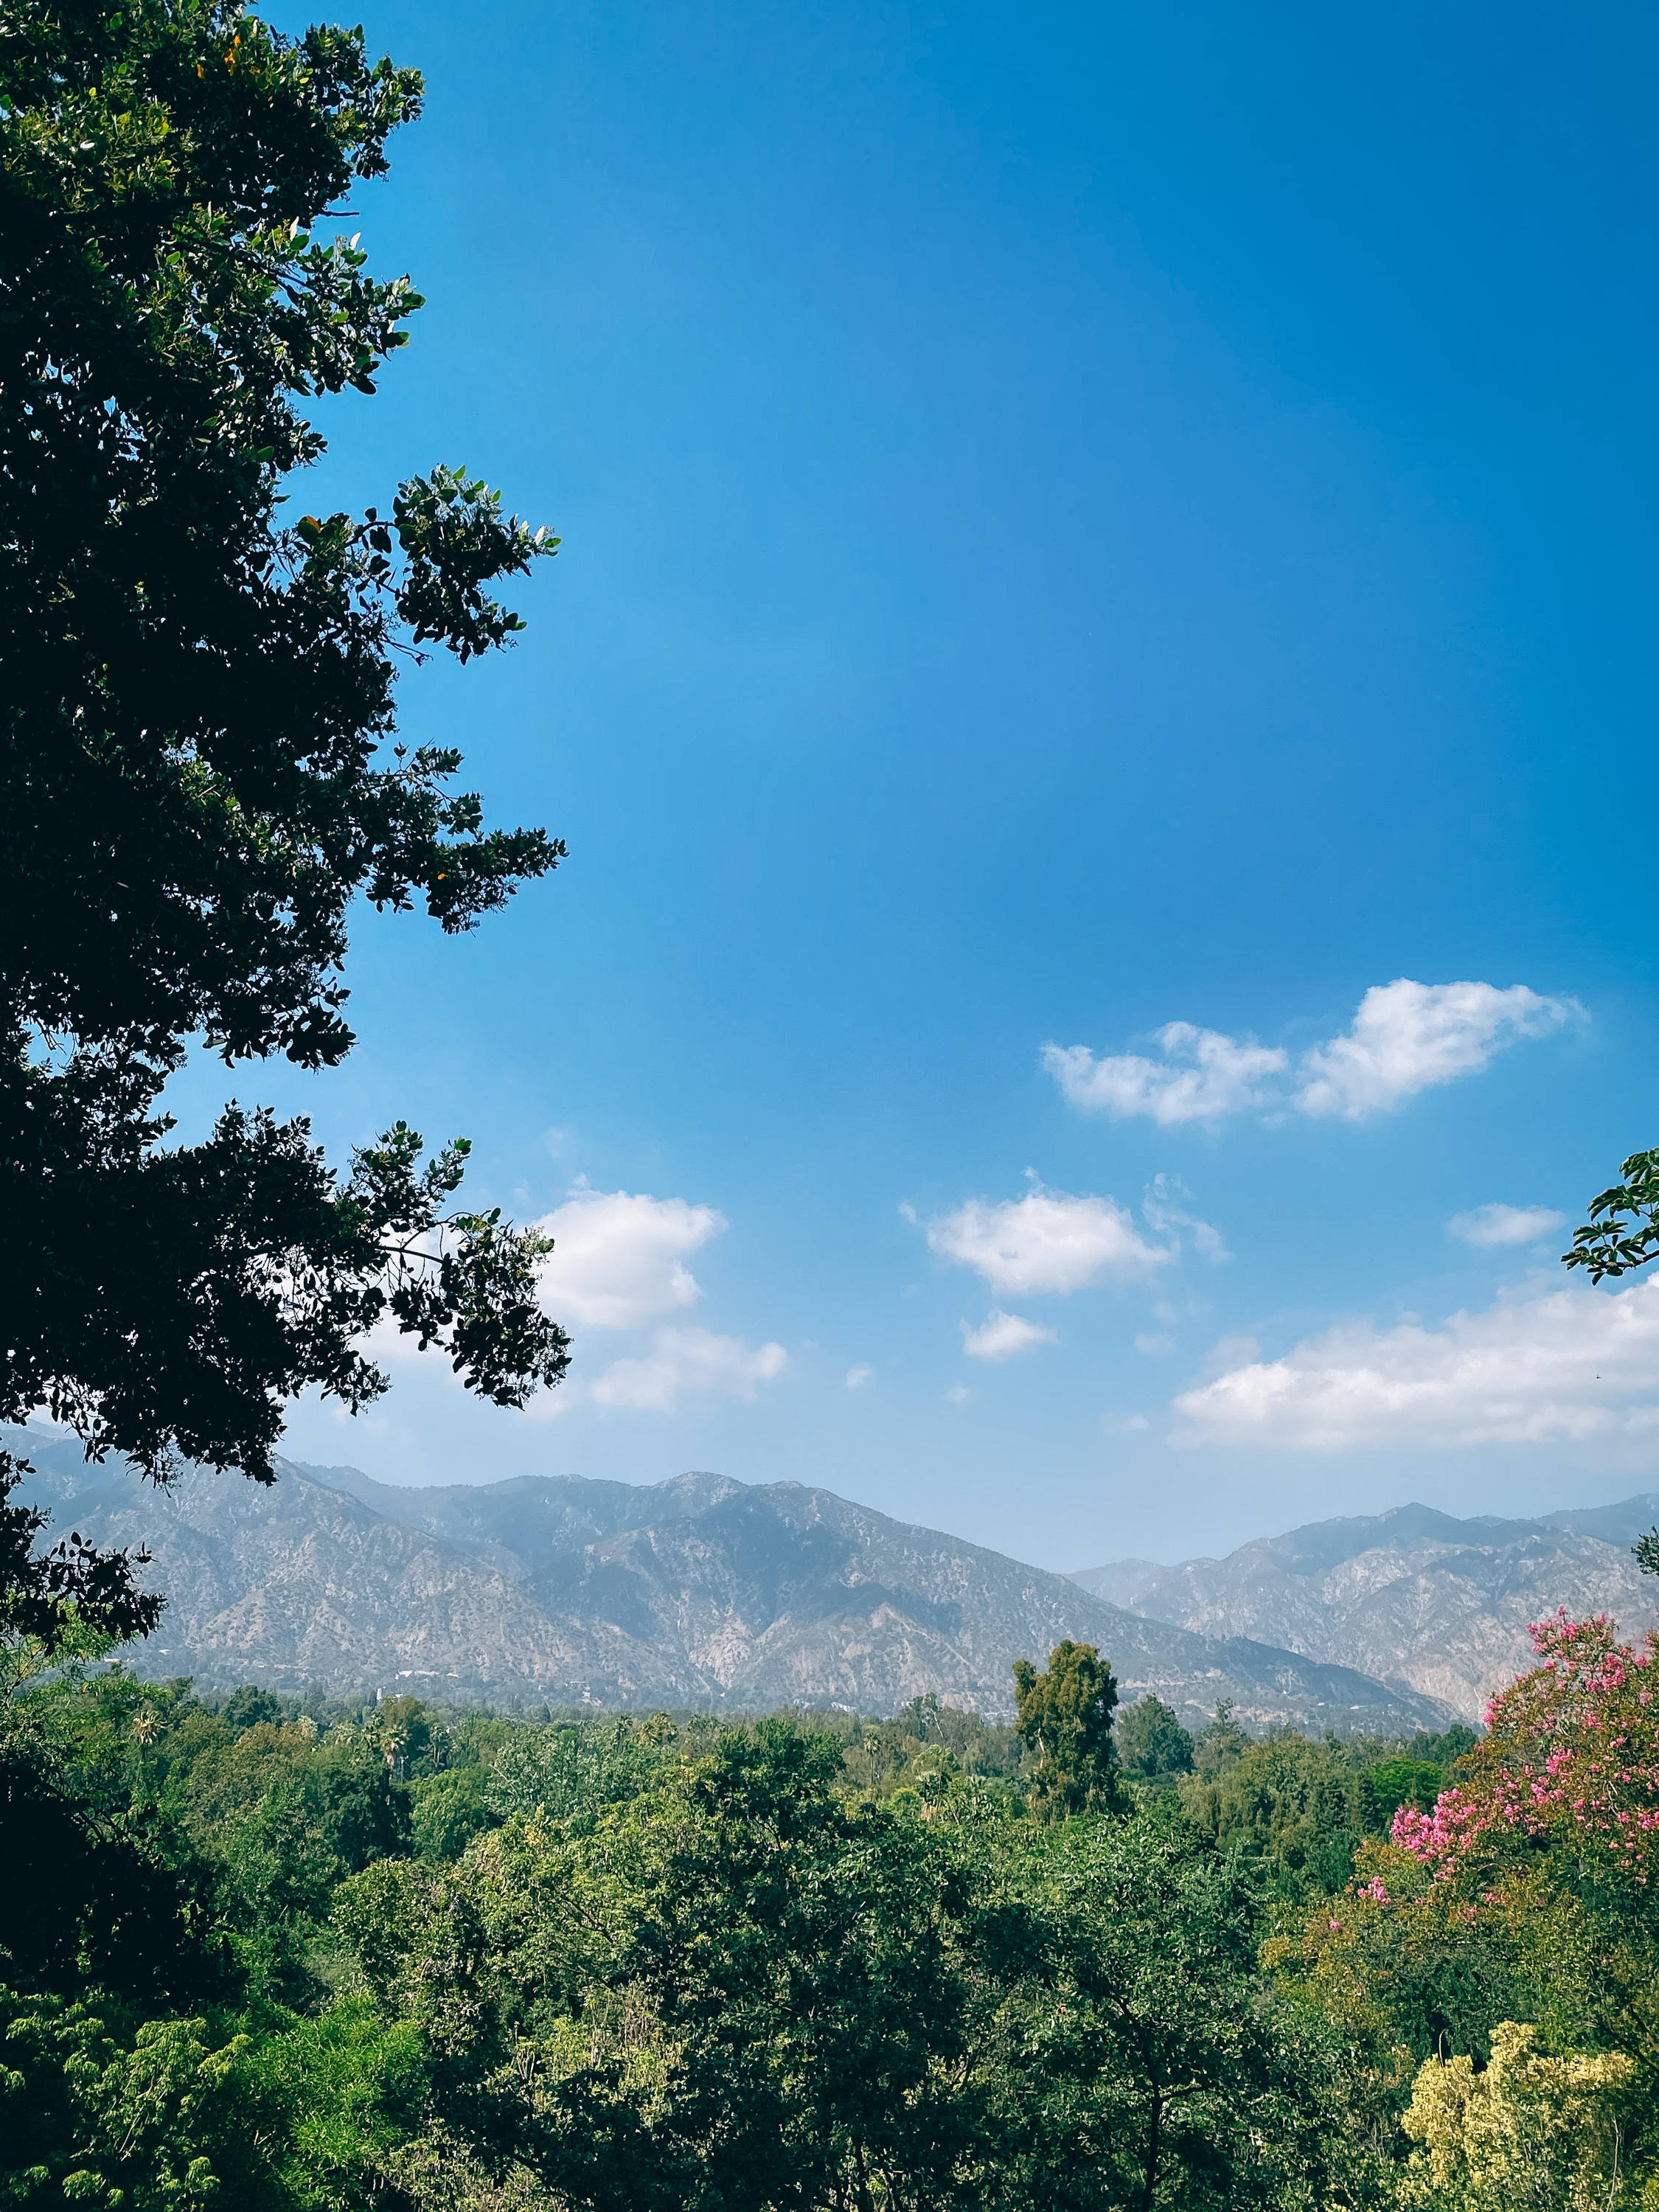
198, 774
1063, 1716
1151, 1744
313, 1954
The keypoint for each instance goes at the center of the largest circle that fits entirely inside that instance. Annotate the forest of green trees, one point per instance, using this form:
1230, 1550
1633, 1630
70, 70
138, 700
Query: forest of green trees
266, 1952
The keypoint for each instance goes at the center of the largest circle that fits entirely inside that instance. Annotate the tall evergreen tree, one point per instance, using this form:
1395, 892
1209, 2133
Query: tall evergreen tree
1064, 1720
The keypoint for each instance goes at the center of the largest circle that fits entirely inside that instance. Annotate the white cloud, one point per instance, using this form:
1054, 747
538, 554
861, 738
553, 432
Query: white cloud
1202, 1076
618, 1259
958, 1394
1164, 1213
1407, 1037
1544, 1367
1155, 1347
686, 1362
1003, 1334
1486, 1225
859, 1378
1229, 1351
1046, 1241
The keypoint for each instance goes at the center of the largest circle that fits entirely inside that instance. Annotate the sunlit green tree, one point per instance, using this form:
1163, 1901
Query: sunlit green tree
1063, 1718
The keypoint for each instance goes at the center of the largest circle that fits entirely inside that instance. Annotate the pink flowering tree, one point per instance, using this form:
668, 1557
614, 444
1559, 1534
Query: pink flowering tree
1571, 1763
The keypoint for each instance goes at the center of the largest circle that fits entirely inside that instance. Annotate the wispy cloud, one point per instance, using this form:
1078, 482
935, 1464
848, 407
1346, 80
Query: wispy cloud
686, 1362
1547, 1367
1165, 1209
1002, 1335
1486, 1225
1202, 1076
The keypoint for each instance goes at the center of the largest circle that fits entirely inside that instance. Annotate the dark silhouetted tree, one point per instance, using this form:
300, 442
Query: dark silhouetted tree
198, 775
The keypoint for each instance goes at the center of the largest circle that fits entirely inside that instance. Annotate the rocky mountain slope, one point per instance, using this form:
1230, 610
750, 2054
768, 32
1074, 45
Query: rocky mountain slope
1412, 1596
698, 1591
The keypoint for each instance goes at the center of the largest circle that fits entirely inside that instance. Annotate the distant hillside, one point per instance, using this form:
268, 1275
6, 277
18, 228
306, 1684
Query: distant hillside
698, 1591
1413, 1595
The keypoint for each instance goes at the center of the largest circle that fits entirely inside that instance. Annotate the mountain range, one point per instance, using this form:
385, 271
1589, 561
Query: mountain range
698, 1591
1414, 1596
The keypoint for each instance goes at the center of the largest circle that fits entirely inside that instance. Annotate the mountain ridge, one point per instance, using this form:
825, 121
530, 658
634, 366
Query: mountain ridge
1412, 1595
696, 1590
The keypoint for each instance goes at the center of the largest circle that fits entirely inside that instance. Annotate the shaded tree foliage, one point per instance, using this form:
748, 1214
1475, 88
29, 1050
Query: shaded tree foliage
1151, 1744
45, 1597
1175, 2078
87, 1897
196, 771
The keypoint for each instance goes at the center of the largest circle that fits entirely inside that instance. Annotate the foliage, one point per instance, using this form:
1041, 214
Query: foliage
334, 2095
447, 1809
88, 1891
98, 2112
729, 1966
1224, 1740
1621, 1235
1442, 1748
1622, 1232
1408, 1969
54, 1600
1528, 2134
1151, 1744
925, 1738
1404, 1781
1570, 1757
575, 1770
197, 775
334, 1954
1305, 1806
1063, 1718
1524, 1893
1178, 2080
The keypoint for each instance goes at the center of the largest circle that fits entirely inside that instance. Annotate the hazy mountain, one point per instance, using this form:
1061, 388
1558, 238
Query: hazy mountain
698, 1591
1413, 1595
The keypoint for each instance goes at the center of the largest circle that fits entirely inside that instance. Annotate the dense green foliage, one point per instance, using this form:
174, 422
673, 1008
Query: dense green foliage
1151, 1744
281, 1954
1063, 1716
196, 771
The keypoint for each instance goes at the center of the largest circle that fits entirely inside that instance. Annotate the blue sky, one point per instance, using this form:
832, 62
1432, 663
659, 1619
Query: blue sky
1075, 520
